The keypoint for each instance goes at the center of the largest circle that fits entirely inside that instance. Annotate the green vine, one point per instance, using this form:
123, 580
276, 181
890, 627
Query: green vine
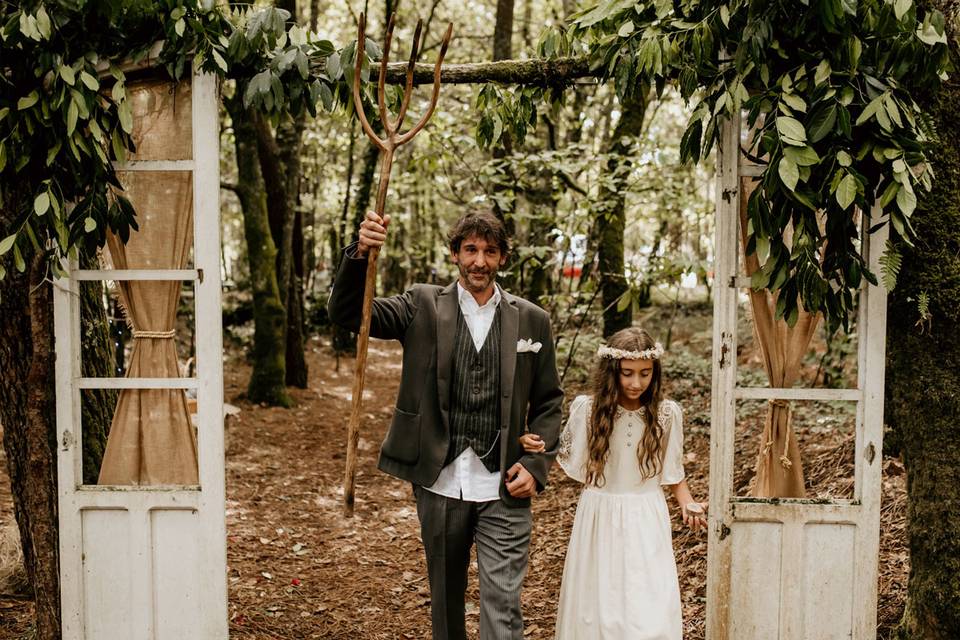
65, 117
827, 87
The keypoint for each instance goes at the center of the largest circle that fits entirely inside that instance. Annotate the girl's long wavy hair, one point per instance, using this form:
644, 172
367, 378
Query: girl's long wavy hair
606, 390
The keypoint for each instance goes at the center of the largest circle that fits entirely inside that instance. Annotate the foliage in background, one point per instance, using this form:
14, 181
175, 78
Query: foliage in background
63, 98
828, 88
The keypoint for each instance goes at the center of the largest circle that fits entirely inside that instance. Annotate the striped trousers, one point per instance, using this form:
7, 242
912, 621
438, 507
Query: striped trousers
449, 527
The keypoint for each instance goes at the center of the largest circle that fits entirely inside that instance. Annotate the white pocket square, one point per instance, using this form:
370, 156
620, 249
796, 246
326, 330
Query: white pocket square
525, 345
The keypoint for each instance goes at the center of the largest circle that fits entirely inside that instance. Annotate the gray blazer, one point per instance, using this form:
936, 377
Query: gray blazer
424, 320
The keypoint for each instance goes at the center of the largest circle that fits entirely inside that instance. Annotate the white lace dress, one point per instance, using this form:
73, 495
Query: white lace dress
620, 575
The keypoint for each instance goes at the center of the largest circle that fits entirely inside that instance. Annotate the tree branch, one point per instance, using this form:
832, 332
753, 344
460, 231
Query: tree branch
555, 71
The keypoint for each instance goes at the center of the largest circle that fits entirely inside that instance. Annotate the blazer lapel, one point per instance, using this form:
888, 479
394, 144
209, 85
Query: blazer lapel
447, 307
509, 330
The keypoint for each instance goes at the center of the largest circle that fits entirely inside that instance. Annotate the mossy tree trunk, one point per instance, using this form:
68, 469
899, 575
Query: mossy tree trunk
611, 217
268, 380
279, 156
923, 388
28, 416
503, 192
281, 167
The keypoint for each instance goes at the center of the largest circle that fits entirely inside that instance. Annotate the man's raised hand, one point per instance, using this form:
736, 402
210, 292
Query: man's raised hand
373, 232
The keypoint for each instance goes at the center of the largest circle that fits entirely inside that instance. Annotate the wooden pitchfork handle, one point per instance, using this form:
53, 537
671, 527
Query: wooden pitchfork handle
387, 146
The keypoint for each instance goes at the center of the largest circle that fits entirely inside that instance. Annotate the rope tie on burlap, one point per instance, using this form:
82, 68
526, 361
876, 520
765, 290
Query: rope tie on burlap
159, 335
784, 460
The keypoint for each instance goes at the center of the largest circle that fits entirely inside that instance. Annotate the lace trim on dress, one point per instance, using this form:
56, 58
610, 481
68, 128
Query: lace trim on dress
565, 451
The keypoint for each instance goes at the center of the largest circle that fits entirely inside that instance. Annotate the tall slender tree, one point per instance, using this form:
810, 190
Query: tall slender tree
611, 217
268, 379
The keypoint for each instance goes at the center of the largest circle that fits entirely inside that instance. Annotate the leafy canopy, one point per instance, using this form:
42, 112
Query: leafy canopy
827, 88
65, 117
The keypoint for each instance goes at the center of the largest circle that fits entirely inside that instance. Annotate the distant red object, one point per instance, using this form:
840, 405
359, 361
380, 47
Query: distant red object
572, 271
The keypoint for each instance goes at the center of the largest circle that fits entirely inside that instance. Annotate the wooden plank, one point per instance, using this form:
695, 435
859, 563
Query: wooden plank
155, 165
745, 282
134, 497
722, 406
827, 586
142, 598
137, 383
108, 574
209, 332
66, 297
176, 545
754, 595
796, 393
799, 511
136, 274
751, 169
869, 446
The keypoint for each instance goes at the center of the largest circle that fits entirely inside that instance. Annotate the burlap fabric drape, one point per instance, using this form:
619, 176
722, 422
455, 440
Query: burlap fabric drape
779, 472
152, 440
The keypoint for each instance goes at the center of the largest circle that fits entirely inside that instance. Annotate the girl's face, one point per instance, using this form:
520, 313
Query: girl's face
634, 378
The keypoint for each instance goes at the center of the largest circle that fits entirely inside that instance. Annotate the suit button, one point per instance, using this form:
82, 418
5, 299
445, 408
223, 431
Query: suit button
476, 390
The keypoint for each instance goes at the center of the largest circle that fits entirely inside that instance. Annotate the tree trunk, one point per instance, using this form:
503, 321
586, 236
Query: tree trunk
28, 415
365, 185
505, 205
612, 218
279, 154
97, 360
923, 388
503, 31
267, 382
296, 319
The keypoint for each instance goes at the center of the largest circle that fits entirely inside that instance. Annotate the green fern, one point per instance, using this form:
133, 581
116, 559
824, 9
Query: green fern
923, 307
890, 266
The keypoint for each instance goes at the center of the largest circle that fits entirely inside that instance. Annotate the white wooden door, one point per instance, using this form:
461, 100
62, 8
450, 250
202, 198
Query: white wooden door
790, 569
149, 563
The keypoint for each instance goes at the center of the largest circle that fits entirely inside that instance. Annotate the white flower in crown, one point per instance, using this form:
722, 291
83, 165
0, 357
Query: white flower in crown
653, 353
525, 345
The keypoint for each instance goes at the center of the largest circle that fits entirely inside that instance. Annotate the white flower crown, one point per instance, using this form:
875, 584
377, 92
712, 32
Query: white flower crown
653, 353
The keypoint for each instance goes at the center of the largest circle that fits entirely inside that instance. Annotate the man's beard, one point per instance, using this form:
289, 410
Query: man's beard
470, 285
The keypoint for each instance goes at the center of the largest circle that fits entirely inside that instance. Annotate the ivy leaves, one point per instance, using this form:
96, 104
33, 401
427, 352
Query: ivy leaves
65, 102
826, 92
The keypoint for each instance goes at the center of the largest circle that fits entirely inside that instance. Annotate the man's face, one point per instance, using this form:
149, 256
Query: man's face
478, 262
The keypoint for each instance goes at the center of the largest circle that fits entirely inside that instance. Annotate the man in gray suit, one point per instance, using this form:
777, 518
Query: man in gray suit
478, 369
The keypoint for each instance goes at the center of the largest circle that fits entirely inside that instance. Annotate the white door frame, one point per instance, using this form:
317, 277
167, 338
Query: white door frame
169, 546
777, 569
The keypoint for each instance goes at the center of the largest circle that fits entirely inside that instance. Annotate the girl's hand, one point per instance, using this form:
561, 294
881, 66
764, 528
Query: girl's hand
695, 515
532, 443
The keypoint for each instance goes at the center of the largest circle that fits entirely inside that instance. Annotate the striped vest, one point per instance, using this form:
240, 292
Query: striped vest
475, 395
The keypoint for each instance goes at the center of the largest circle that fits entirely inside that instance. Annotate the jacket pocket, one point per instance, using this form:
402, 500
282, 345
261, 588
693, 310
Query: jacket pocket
403, 439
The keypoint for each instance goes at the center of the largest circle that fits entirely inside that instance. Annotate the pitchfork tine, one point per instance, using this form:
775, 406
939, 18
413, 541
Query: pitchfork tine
436, 91
358, 66
382, 82
408, 89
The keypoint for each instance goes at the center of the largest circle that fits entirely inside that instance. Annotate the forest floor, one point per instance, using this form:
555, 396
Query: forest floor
298, 568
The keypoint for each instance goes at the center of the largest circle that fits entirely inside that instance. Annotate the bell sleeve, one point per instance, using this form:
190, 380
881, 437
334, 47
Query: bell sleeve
572, 454
671, 419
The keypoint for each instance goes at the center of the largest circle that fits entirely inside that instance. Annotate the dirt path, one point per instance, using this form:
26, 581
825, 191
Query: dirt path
299, 569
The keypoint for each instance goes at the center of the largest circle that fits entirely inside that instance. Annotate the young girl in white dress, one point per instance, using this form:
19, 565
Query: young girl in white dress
620, 576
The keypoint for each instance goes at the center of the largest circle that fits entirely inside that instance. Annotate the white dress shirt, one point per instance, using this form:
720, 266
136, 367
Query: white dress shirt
466, 478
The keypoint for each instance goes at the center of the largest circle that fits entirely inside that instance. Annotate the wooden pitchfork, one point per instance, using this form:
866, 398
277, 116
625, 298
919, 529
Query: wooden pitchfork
387, 145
